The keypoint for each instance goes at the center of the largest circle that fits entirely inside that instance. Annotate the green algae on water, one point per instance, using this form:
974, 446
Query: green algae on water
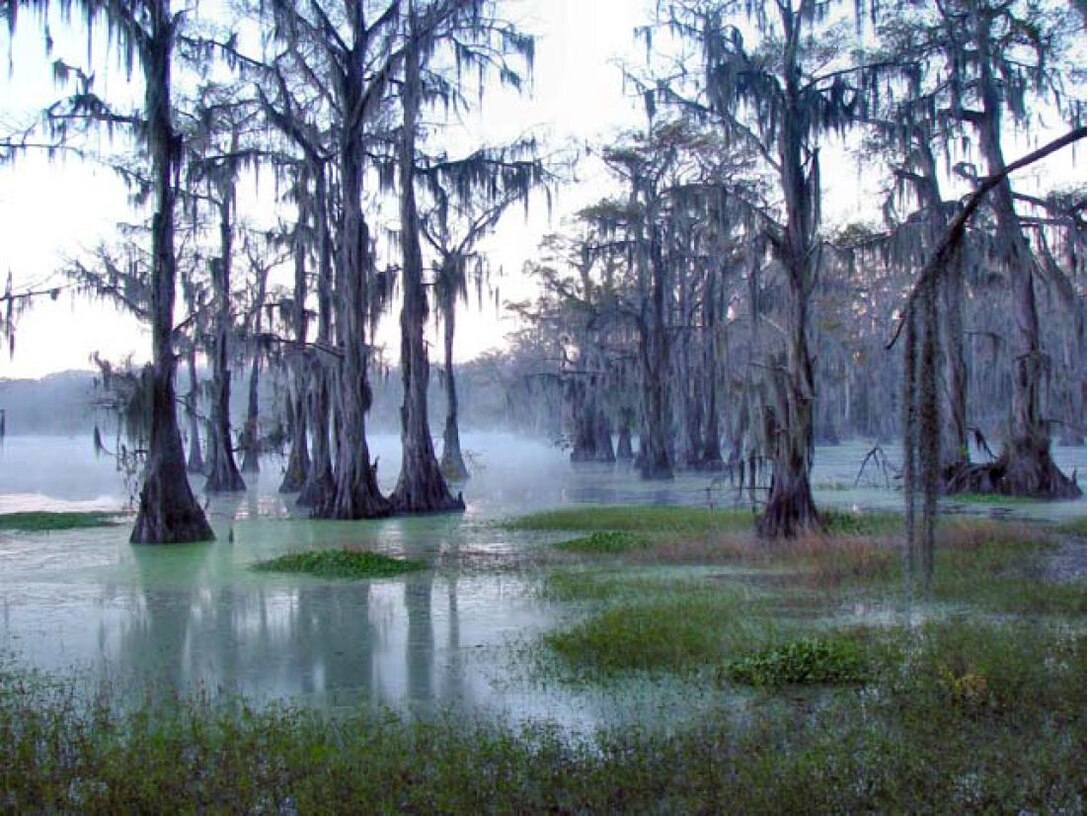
38, 521
342, 563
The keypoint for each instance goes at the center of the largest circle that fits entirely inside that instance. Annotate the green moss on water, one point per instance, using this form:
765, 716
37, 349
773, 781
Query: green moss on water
637, 519
603, 542
41, 521
341, 563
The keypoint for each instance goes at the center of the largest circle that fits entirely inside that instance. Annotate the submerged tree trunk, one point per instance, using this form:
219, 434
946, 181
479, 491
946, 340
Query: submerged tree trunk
453, 462
711, 458
421, 487
195, 463
356, 494
168, 512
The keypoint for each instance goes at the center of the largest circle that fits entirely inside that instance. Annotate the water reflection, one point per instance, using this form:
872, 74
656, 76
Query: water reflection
196, 616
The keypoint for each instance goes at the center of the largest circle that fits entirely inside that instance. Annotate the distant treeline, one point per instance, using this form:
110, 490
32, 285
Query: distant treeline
66, 403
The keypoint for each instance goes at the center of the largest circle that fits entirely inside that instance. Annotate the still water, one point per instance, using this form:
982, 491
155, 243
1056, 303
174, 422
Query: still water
87, 603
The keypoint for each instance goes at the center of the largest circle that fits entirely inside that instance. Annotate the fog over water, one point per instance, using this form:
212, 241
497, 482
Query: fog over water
195, 616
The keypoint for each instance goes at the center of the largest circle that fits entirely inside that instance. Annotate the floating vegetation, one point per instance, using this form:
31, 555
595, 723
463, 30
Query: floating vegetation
41, 521
603, 542
827, 660
342, 563
638, 519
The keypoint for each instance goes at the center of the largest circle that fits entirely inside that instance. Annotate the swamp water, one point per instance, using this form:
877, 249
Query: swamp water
87, 604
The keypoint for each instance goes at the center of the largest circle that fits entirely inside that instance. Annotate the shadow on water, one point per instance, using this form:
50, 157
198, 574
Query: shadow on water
197, 617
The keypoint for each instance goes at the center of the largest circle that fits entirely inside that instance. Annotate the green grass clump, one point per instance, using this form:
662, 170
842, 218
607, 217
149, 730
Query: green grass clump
603, 542
342, 563
808, 660
681, 631
638, 519
40, 521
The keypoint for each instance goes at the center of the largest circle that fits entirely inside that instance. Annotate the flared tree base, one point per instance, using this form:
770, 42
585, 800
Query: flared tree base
1025, 468
169, 513
425, 494
453, 466
789, 513
298, 467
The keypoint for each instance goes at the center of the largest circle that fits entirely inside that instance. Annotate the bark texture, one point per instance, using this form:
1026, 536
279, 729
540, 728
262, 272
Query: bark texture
421, 487
168, 512
453, 461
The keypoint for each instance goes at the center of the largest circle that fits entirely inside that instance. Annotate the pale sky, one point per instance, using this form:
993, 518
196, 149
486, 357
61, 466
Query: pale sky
52, 211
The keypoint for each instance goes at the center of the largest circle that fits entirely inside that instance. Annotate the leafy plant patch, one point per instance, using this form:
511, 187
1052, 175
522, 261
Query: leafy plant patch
808, 660
342, 563
603, 542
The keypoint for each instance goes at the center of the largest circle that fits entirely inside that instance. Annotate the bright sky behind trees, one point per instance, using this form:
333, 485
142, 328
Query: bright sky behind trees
53, 210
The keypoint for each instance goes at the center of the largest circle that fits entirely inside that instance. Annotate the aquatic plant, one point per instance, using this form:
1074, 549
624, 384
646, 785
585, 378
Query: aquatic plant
342, 563
830, 659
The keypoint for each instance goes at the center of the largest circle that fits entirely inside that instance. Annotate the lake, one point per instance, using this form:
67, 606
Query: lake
86, 603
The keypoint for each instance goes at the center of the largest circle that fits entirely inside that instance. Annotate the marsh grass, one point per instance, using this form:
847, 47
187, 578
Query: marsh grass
972, 712
1076, 526
341, 563
833, 659
956, 716
674, 627
36, 521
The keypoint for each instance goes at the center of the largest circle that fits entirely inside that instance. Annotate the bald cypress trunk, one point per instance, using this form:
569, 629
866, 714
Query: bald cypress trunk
654, 461
195, 463
317, 488
251, 437
711, 457
789, 426
223, 475
356, 494
298, 460
453, 462
251, 442
168, 512
421, 487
